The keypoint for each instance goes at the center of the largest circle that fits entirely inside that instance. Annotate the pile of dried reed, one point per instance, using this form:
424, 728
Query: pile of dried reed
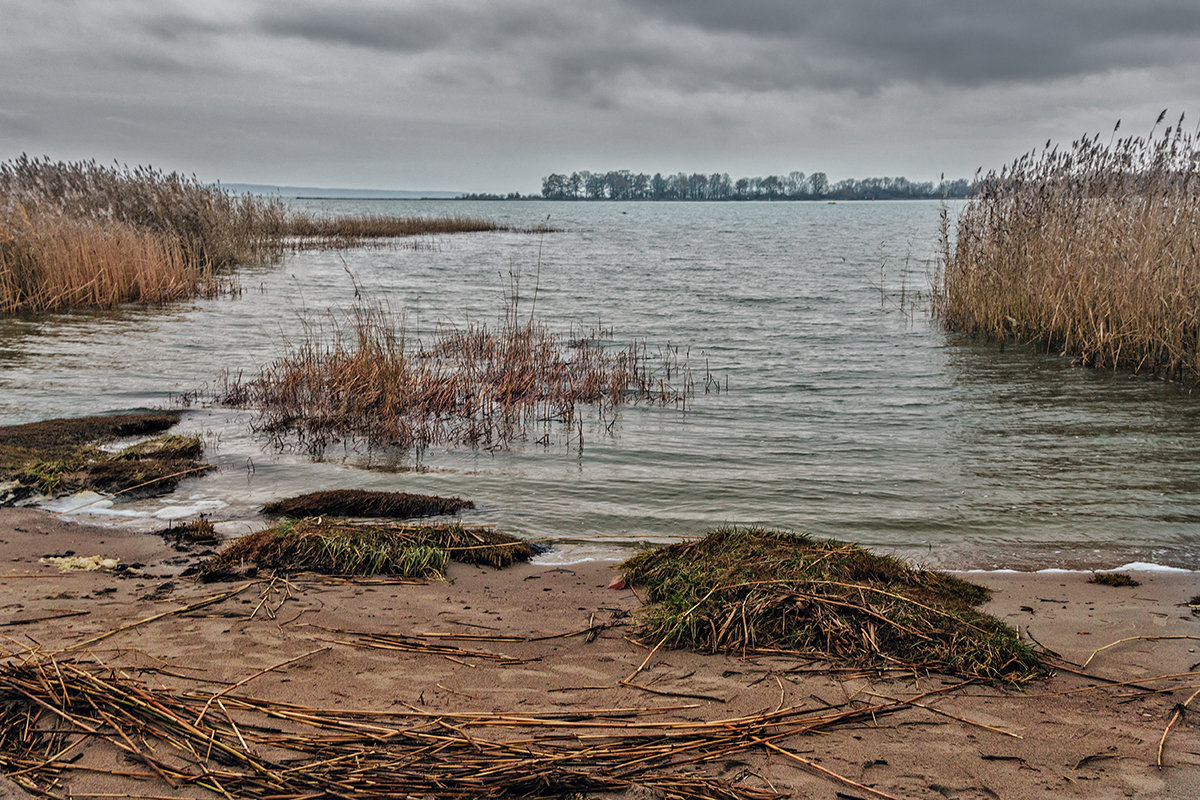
750, 590
61, 455
1090, 251
363, 378
52, 712
361, 503
345, 548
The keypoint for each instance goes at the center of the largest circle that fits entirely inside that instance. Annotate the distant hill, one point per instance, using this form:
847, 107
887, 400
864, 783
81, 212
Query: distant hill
342, 194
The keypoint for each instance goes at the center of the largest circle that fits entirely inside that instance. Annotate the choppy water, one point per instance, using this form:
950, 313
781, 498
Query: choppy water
845, 416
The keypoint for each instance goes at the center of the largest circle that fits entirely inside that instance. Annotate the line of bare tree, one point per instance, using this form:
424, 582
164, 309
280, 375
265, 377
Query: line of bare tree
627, 185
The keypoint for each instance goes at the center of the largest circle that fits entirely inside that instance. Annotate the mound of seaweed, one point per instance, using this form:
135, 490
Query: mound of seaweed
60, 456
744, 590
337, 547
362, 503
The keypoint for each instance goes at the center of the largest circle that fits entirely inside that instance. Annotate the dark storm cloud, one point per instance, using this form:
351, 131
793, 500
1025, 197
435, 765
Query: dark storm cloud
952, 41
414, 27
483, 94
591, 50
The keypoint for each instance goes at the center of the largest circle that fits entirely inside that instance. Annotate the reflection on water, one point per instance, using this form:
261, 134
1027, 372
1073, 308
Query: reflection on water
844, 417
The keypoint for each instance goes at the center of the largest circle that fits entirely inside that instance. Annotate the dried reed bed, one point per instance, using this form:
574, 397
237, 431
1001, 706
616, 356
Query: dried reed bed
84, 235
753, 590
361, 376
1090, 251
240, 746
308, 230
212, 226
80, 234
49, 262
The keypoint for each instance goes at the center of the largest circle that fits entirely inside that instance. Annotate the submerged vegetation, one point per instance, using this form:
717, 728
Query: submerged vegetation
338, 547
362, 503
363, 377
61, 456
1091, 251
80, 234
754, 590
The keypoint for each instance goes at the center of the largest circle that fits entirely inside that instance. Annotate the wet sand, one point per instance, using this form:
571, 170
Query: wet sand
1068, 736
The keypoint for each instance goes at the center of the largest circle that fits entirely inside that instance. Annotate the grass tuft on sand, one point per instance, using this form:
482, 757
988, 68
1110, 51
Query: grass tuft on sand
753, 590
337, 547
62, 456
362, 503
1114, 579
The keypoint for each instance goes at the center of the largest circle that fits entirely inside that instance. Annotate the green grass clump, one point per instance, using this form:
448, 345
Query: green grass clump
338, 547
753, 590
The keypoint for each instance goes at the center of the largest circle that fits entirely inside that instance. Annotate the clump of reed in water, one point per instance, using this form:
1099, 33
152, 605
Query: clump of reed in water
346, 548
362, 503
1091, 251
746, 590
364, 378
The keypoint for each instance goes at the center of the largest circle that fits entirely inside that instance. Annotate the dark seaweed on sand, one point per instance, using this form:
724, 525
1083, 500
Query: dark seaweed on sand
59, 456
361, 503
346, 548
1117, 579
748, 590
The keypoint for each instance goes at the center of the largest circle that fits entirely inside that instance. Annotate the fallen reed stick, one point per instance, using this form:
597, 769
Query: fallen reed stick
943, 713
1179, 709
44, 618
184, 609
249, 678
1132, 639
827, 772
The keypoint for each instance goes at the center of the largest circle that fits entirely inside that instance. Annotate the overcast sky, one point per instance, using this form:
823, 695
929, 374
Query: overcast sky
490, 95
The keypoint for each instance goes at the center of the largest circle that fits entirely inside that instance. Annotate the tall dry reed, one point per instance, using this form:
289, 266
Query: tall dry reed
1092, 251
49, 262
85, 235
78, 234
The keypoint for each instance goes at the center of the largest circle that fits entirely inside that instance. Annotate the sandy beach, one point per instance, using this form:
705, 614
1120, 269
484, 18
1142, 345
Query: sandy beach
334, 644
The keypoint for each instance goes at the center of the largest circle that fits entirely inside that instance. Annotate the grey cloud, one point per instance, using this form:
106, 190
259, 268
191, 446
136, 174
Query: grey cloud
950, 41
589, 51
16, 123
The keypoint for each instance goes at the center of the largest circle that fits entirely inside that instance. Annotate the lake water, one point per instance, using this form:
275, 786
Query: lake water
848, 412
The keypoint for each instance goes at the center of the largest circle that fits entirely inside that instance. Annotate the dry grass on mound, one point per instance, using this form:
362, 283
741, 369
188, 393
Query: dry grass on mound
345, 548
361, 503
61, 456
744, 590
